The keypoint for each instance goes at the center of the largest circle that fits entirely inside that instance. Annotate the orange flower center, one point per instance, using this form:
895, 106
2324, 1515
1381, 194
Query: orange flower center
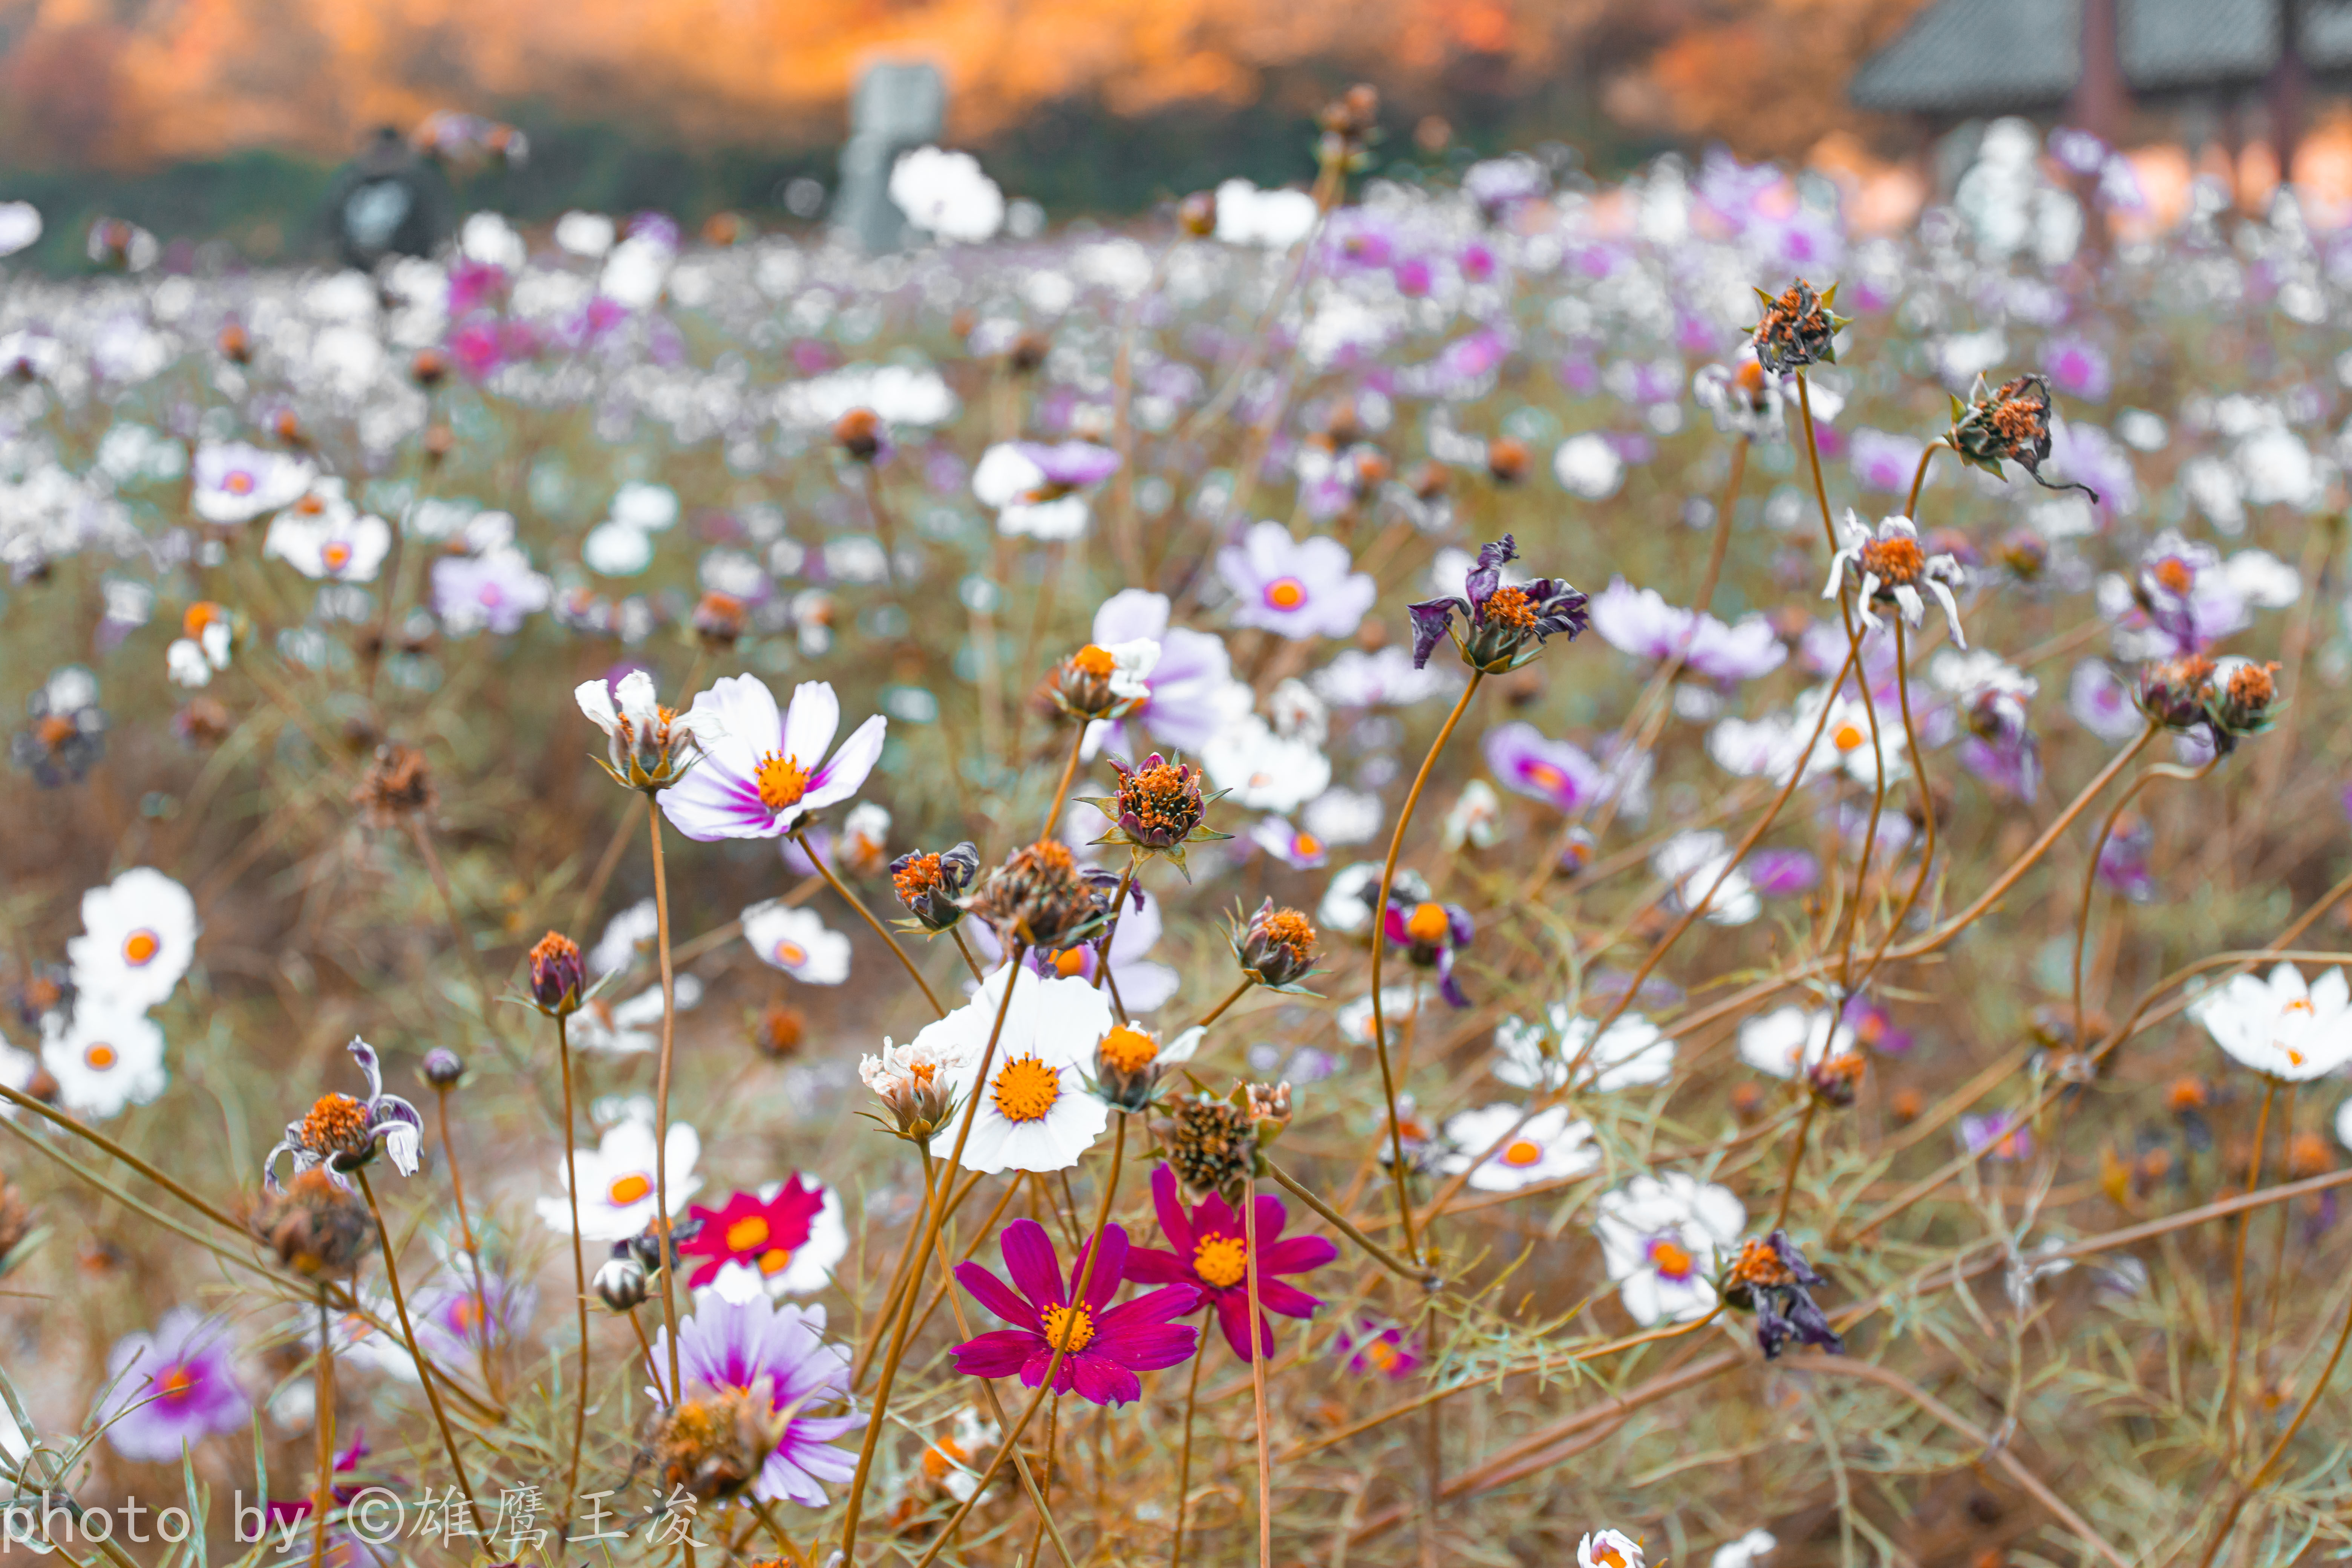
919, 876
782, 780
1026, 1088
176, 1383
238, 482
1094, 661
748, 1234
1306, 844
202, 613
337, 556
631, 1188
1221, 1260
1671, 1258
1069, 1328
1893, 560
775, 1260
1847, 737
55, 729
1427, 922
336, 1122
140, 948
1070, 962
789, 955
1285, 593
1129, 1049
2173, 575
1545, 776
1380, 1354
99, 1057
1512, 608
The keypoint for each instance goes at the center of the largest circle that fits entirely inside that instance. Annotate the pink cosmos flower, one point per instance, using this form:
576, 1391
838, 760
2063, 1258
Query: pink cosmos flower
1300, 588
1105, 1345
762, 771
1212, 1255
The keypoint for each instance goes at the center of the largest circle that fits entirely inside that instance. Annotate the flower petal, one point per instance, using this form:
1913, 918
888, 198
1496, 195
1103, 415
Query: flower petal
1029, 1259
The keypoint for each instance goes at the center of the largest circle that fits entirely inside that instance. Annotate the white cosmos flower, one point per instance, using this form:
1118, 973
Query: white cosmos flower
627, 936
1632, 1052
1266, 772
110, 1056
1660, 1239
1788, 1040
138, 936
2280, 1027
1775, 745
1746, 1552
347, 548
1355, 1019
1034, 1112
947, 195
632, 1027
190, 661
797, 942
2343, 1122
234, 482
1701, 869
808, 1268
1549, 1148
616, 1181
359, 1344
1609, 1549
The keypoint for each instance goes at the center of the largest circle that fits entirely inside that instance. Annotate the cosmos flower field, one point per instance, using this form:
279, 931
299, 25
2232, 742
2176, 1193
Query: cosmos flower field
1478, 872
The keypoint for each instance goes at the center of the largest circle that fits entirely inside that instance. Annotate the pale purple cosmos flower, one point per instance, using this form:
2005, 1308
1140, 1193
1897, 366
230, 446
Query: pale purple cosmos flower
1385, 678
233, 482
1640, 622
1874, 1025
1778, 873
732, 1346
1300, 588
1294, 847
174, 1387
2101, 701
1191, 693
762, 772
2096, 460
2124, 861
1376, 1347
456, 1320
493, 590
1994, 1137
2077, 367
1034, 487
1883, 461
1554, 771
1107, 1345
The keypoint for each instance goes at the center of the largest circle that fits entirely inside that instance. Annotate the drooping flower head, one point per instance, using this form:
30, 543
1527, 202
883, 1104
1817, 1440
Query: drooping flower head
342, 1133
764, 771
1103, 1346
319, 1227
1504, 627
927, 885
1797, 329
1772, 1278
2009, 423
650, 747
1431, 934
732, 1357
1893, 569
1210, 1252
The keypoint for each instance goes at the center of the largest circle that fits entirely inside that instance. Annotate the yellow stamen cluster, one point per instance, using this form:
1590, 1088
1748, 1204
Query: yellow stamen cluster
1025, 1089
782, 781
1070, 1329
1893, 560
1221, 1260
1128, 1049
336, 1124
1510, 607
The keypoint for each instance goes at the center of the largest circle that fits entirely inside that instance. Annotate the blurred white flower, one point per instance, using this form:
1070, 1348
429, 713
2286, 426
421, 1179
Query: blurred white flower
945, 194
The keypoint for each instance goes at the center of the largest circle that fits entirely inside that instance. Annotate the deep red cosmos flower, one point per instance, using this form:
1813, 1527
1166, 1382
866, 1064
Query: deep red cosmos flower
1107, 1345
1213, 1256
759, 1233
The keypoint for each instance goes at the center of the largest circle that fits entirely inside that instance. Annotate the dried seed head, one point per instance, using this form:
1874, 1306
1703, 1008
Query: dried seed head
718, 618
858, 434
1036, 897
712, 1445
318, 1228
1277, 947
781, 1031
397, 786
1796, 329
1211, 1144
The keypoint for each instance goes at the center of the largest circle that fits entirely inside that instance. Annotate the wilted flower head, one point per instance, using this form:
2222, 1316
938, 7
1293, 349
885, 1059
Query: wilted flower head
2176, 692
398, 785
1211, 1143
650, 747
319, 1227
1037, 898
1098, 682
718, 618
1274, 947
1797, 329
1772, 1278
341, 1133
1893, 569
1350, 123
2243, 700
559, 977
928, 885
2011, 423
1503, 626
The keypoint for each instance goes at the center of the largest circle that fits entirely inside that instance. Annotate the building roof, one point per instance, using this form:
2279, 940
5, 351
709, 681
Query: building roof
1984, 56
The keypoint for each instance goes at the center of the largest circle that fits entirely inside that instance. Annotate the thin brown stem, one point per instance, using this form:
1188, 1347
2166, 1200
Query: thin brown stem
2238, 1270
1184, 1460
466, 1235
1069, 772
323, 1497
1258, 1375
1235, 994
661, 1100
1796, 1160
408, 1337
579, 1267
1380, 946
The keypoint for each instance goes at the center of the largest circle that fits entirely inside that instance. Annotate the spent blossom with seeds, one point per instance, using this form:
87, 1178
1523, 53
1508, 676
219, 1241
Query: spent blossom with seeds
1893, 569
648, 747
342, 1133
1503, 626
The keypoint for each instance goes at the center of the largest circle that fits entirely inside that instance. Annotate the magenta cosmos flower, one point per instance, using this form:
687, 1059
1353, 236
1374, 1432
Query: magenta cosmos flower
731, 1346
175, 1386
1554, 771
1300, 588
1212, 1255
1107, 1345
762, 771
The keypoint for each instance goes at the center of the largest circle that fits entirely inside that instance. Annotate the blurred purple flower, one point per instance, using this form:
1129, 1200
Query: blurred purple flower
175, 1386
1300, 588
1886, 462
2077, 367
1778, 873
1554, 771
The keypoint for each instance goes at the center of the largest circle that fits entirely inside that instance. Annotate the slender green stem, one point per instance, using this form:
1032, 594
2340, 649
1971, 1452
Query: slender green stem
408, 1336
1380, 946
